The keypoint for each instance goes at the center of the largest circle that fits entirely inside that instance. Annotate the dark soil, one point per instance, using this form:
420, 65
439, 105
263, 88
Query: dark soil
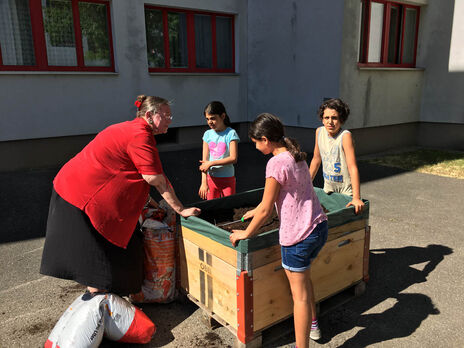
219, 217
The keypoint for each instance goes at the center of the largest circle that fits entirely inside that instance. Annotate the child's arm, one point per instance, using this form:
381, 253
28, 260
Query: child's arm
316, 161
231, 159
203, 191
348, 148
261, 212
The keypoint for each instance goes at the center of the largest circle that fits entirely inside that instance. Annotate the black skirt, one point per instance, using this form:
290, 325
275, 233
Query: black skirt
75, 250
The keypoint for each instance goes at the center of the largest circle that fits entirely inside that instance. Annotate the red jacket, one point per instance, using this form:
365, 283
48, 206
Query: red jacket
105, 178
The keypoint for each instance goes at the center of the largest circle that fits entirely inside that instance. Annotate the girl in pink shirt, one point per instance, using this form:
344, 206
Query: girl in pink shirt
303, 224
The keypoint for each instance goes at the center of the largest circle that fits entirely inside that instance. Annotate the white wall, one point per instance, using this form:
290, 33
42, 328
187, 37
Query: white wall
52, 104
294, 52
443, 58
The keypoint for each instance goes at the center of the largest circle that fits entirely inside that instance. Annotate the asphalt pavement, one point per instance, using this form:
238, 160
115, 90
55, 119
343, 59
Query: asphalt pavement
414, 297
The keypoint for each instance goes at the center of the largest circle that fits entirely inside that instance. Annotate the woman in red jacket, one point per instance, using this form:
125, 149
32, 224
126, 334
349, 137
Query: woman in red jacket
93, 235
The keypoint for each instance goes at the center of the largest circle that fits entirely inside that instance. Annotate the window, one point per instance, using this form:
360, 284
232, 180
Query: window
189, 41
389, 33
55, 35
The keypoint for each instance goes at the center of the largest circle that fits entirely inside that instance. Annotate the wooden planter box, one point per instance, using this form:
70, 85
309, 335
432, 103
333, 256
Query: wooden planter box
245, 288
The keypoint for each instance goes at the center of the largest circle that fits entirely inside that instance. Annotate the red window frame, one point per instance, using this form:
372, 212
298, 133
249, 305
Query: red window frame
40, 48
191, 53
365, 27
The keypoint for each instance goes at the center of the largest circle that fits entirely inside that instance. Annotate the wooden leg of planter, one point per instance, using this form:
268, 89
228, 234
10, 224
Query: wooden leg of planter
209, 321
256, 342
359, 288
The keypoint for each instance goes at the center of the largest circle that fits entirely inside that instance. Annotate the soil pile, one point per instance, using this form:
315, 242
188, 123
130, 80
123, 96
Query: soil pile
223, 216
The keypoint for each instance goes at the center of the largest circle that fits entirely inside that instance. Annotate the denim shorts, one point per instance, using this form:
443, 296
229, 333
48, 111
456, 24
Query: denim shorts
298, 257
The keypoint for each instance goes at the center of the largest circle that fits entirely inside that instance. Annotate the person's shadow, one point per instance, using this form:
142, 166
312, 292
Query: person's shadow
391, 272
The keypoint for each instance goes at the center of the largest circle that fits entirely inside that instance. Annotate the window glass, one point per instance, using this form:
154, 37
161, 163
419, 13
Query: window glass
409, 35
95, 35
224, 47
203, 41
393, 37
362, 27
177, 23
16, 33
59, 32
155, 38
375, 33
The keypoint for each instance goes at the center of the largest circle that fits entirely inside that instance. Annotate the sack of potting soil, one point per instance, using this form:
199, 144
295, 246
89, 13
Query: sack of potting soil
126, 323
159, 230
81, 325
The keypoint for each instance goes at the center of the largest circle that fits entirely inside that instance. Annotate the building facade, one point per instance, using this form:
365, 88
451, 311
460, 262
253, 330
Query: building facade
69, 68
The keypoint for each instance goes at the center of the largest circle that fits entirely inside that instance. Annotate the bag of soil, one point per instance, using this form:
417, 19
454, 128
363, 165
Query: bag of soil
81, 325
159, 229
126, 323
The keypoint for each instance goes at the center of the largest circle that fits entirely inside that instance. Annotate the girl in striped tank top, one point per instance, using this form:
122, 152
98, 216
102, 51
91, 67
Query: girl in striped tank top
334, 148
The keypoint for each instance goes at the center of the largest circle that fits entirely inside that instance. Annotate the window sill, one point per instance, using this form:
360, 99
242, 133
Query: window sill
388, 68
25, 72
192, 74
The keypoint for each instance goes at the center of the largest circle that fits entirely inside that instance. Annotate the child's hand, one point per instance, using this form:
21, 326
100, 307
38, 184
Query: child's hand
357, 204
237, 235
203, 191
249, 214
205, 165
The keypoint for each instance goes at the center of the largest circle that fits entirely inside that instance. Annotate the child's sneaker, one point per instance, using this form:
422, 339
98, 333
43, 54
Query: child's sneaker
315, 334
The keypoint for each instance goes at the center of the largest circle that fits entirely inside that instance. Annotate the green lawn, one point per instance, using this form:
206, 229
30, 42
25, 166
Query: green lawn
437, 162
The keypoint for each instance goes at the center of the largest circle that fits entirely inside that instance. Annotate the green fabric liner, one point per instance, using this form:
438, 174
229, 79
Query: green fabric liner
335, 203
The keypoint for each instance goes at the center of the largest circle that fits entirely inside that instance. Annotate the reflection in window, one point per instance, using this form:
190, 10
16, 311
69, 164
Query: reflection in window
95, 36
203, 41
155, 38
388, 33
16, 41
409, 35
224, 41
177, 23
375, 37
59, 32
393, 38
189, 41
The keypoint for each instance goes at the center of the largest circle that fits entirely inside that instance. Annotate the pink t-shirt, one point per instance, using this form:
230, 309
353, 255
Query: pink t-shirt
297, 204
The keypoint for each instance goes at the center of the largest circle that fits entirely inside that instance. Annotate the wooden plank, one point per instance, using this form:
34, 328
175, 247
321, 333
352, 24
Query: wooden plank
212, 247
272, 298
264, 256
339, 231
338, 265
212, 283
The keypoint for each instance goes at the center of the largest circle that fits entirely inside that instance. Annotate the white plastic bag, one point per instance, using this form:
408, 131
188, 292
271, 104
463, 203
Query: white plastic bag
81, 325
126, 323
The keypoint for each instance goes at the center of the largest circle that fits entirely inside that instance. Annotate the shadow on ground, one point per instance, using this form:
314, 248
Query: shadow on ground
392, 271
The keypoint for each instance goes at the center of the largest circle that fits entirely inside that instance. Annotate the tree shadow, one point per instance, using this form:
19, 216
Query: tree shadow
391, 272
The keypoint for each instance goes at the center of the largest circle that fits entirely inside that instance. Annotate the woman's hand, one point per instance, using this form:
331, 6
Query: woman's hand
205, 165
237, 235
203, 191
357, 204
186, 212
